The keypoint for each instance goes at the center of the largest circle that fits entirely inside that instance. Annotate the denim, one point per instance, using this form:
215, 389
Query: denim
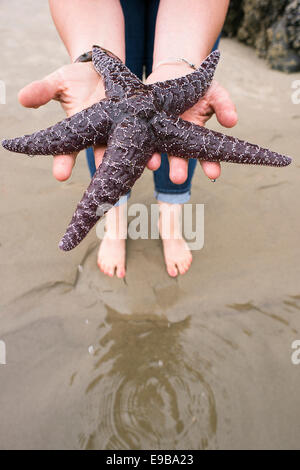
173, 198
140, 19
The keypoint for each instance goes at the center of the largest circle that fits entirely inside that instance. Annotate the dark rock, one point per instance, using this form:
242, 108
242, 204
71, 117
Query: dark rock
234, 18
293, 24
279, 54
271, 26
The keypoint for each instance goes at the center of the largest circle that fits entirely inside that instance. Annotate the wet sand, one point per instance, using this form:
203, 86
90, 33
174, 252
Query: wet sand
202, 361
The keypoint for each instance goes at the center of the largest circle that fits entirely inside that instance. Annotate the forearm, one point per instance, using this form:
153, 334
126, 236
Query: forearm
188, 28
82, 23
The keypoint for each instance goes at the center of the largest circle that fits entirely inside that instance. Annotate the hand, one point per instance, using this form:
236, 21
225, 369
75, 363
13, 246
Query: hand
75, 86
216, 100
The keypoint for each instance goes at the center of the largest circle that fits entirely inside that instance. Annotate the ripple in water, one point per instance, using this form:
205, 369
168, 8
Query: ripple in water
147, 391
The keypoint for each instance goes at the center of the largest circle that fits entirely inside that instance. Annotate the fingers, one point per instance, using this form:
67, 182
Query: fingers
223, 106
63, 166
211, 169
154, 162
178, 170
178, 167
41, 92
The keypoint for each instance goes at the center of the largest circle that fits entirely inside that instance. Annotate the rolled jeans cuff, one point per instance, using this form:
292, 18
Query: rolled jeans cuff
173, 198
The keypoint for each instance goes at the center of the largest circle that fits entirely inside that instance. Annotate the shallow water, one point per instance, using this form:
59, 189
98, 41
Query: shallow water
157, 384
155, 393
181, 380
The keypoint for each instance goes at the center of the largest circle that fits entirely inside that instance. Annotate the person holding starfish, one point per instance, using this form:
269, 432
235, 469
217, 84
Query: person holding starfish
167, 38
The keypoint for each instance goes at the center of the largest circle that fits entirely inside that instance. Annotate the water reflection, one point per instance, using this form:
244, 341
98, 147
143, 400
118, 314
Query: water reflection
148, 390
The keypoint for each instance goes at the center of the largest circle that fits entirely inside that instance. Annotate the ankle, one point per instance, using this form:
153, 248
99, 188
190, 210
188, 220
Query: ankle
116, 223
170, 221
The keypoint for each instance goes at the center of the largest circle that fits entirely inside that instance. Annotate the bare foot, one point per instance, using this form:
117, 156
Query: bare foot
112, 251
178, 257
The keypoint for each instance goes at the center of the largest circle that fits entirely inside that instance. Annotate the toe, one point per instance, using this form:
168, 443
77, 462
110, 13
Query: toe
99, 263
120, 271
187, 264
181, 267
172, 270
110, 271
104, 268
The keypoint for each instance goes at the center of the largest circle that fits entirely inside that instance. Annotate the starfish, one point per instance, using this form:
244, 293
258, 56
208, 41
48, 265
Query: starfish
134, 121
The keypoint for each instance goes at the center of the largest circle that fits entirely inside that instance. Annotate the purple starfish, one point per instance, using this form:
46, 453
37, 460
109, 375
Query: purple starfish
136, 120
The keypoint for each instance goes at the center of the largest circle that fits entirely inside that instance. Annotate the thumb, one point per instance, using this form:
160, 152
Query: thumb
41, 92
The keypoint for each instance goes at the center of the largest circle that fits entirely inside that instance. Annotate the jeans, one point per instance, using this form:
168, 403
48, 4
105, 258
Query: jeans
140, 19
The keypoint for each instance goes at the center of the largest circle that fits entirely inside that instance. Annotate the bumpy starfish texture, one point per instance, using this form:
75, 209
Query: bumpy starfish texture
136, 120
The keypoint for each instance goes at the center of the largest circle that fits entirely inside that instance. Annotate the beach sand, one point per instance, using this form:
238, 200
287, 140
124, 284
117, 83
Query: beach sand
149, 362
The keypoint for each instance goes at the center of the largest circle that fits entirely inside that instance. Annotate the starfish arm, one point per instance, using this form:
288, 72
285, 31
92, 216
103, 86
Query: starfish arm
178, 95
119, 81
86, 128
125, 159
185, 139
